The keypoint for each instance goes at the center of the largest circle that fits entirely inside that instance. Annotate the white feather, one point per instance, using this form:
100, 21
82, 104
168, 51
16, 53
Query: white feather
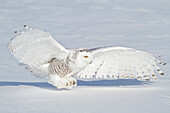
35, 48
41, 53
120, 62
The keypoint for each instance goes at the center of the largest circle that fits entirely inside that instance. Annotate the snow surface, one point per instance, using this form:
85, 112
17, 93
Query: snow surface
139, 24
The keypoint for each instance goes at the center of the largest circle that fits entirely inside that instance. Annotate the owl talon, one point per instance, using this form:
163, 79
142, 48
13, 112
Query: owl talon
74, 82
65, 82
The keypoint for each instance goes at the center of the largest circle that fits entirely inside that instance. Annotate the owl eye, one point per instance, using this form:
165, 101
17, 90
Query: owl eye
85, 56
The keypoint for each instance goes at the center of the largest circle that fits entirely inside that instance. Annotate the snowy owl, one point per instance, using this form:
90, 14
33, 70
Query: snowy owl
45, 57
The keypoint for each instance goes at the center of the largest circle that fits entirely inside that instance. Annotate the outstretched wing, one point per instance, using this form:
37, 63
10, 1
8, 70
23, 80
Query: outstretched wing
120, 62
35, 47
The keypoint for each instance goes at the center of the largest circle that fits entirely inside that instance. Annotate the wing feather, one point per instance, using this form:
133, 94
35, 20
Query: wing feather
35, 48
121, 62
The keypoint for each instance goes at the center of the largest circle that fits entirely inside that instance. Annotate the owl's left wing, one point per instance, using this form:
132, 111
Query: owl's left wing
35, 48
121, 62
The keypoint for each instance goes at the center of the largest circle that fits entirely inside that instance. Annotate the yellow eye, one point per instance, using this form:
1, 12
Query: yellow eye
85, 56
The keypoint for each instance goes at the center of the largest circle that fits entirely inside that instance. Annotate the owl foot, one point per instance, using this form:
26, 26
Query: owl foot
62, 83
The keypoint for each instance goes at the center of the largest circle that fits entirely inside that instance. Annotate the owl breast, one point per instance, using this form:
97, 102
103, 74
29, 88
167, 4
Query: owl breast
59, 67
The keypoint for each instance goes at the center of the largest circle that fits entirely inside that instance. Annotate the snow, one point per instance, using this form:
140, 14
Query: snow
142, 25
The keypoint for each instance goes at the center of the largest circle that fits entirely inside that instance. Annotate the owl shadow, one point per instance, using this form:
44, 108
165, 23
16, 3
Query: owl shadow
118, 82
45, 85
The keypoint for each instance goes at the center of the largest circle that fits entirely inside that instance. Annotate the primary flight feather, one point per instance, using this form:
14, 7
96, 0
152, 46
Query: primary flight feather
47, 58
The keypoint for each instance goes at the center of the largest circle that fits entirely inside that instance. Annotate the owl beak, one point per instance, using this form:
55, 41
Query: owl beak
90, 62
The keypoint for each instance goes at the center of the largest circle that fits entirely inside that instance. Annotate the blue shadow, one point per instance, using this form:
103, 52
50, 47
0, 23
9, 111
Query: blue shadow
118, 82
45, 85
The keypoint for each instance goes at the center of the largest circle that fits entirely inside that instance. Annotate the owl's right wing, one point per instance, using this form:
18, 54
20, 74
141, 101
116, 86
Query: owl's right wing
36, 47
121, 62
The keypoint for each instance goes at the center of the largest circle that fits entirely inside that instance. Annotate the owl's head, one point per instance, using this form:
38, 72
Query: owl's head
81, 56
85, 56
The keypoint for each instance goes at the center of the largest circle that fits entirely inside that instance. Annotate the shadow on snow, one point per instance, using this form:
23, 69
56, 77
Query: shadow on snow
118, 82
45, 85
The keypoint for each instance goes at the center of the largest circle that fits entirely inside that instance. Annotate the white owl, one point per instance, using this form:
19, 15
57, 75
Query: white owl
47, 58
